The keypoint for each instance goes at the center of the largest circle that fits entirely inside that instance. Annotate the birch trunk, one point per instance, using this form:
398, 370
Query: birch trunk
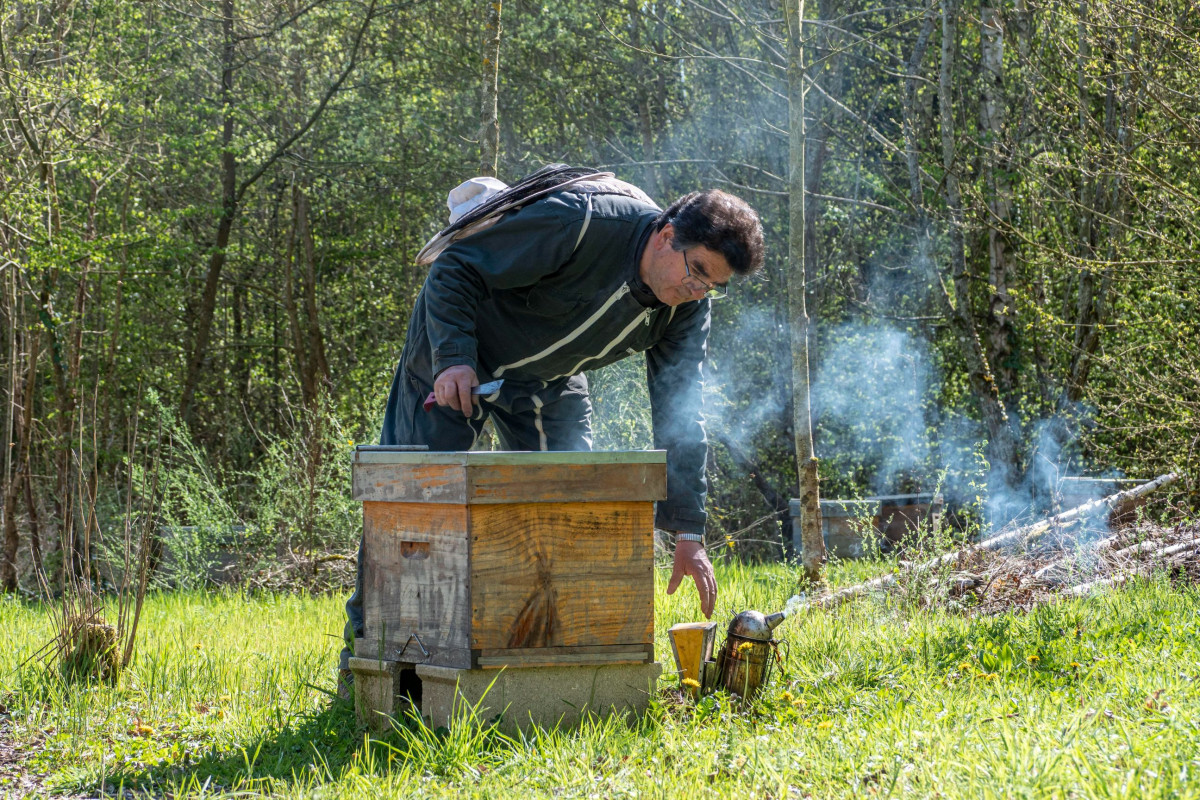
645, 71
490, 134
806, 461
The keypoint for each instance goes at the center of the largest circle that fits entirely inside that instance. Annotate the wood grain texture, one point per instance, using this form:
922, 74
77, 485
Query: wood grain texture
384, 454
692, 643
415, 580
566, 483
545, 658
534, 482
409, 483
561, 574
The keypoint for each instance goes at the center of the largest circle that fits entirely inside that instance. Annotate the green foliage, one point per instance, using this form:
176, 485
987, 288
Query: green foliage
116, 160
621, 405
200, 518
301, 500
298, 503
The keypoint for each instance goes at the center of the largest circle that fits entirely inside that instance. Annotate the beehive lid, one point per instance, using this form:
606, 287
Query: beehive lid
393, 474
418, 454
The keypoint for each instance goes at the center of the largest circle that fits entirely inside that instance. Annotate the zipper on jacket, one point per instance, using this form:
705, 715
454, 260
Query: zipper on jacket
638, 320
596, 316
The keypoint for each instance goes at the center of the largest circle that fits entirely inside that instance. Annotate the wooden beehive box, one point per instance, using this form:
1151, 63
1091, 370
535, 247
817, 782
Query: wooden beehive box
490, 559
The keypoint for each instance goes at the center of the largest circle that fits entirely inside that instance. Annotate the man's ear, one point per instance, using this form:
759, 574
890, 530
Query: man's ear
666, 235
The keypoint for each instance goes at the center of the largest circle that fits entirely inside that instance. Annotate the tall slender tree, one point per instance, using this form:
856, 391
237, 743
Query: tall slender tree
797, 283
489, 155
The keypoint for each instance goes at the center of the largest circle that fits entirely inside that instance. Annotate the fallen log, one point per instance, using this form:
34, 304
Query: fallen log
1048, 573
1140, 547
1154, 560
1001, 540
1091, 509
1079, 590
1171, 550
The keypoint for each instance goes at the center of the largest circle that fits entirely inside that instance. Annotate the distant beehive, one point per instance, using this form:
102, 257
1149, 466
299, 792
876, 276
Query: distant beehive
892, 517
489, 559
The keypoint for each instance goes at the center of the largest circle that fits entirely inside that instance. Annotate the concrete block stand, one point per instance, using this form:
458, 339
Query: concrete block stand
529, 696
383, 689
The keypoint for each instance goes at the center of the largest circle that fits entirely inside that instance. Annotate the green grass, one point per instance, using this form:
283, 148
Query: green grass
228, 694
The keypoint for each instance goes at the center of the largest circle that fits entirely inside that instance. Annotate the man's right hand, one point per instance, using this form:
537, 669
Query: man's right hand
690, 559
452, 387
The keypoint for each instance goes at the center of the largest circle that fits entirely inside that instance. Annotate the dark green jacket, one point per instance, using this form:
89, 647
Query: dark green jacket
544, 294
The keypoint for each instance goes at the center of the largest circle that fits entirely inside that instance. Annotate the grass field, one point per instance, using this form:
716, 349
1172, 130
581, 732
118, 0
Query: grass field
230, 695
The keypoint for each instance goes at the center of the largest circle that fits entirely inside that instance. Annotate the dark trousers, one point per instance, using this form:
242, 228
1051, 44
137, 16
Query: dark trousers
558, 417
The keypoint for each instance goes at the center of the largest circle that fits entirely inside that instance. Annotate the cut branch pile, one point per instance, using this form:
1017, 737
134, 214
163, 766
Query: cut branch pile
1070, 554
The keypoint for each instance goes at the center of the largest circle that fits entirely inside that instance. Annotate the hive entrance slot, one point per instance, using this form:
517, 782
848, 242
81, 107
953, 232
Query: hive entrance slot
414, 550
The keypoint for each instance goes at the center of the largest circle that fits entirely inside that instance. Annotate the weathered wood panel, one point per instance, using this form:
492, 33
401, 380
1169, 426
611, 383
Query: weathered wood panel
565, 483
561, 574
508, 483
415, 580
393, 454
409, 483
558, 656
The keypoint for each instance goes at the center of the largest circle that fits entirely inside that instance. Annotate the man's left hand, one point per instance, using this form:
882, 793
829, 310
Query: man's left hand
690, 559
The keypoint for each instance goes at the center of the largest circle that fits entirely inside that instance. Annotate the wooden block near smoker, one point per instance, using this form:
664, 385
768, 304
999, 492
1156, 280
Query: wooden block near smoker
692, 644
483, 560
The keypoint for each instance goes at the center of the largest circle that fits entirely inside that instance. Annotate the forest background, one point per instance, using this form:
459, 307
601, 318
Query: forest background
209, 213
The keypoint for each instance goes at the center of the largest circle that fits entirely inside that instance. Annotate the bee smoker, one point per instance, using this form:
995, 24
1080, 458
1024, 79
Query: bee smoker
743, 664
745, 660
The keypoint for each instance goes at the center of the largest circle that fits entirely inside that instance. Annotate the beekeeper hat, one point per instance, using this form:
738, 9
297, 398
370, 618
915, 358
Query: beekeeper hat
470, 194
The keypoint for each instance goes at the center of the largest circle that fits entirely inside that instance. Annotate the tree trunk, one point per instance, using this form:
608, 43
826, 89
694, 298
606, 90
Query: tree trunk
232, 192
1002, 444
645, 116
1101, 195
307, 341
490, 134
11, 540
314, 339
1001, 335
229, 206
810, 521
12, 484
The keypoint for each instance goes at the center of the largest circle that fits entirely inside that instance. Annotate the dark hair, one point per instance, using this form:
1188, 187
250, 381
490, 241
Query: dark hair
719, 221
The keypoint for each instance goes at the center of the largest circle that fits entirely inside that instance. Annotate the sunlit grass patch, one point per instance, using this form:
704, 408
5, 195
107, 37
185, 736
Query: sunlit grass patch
231, 694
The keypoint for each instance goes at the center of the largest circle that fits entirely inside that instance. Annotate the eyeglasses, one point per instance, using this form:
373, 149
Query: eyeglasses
713, 291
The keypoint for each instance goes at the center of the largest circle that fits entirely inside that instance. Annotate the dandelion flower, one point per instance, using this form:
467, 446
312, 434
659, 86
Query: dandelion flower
1033, 659
1075, 664
744, 646
788, 697
825, 725
691, 683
